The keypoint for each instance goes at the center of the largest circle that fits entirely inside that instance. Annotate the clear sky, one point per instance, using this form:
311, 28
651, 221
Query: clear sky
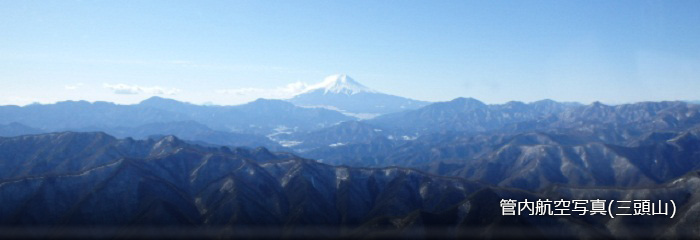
230, 52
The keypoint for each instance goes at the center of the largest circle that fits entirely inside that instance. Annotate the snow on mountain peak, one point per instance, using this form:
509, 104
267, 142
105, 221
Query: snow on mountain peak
340, 84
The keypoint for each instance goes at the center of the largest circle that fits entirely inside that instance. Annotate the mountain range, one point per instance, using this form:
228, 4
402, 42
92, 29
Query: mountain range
343, 160
632, 145
259, 117
93, 179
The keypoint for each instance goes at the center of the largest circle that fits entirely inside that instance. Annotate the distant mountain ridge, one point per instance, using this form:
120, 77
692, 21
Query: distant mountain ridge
191, 131
16, 129
535, 145
258, 117
468, 114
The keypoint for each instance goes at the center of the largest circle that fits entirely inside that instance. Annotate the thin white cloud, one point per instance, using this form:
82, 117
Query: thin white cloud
288, 91
135, 89
74, 86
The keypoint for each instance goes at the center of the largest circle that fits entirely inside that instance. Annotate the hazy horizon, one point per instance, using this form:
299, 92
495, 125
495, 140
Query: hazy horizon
229, 53
243, 103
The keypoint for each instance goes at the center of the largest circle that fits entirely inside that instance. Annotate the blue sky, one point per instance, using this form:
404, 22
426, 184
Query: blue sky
230, 52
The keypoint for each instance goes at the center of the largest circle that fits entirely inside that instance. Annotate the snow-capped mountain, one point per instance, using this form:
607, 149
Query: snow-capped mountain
341, 92
339, 84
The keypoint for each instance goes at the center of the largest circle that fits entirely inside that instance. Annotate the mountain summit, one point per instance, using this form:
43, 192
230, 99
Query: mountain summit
339, 84
341, 92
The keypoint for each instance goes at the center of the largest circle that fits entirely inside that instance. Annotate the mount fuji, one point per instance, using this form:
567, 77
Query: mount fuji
342, 93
